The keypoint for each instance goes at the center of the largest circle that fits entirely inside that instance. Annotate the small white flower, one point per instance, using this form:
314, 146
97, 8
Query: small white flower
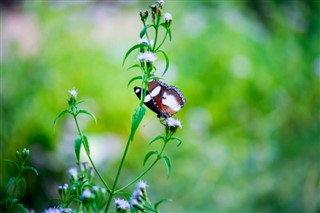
73, 92
122, 204
141, 185
73, 172
65, 186
95, 188
57, 210
160, 2
86, 193
147, 56
173, 122
167, 17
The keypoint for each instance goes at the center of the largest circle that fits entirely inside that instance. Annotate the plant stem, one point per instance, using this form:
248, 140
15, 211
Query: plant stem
91, 161
165, 36
118, 174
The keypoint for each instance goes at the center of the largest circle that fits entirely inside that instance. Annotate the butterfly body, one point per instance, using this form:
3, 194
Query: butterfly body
162, 99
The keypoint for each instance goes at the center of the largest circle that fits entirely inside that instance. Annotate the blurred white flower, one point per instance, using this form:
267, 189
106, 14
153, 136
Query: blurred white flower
173, 122
147, 56
86, 193
73, 172
167, 17
160, 2
141, 185
122, 204
73, 92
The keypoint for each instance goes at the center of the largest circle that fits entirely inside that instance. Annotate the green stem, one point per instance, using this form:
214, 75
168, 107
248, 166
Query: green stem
118, 174
164, 38
146, 171
91, 161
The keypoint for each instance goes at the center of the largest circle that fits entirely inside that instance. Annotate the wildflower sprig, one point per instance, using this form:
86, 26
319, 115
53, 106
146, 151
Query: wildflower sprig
75, 112
16, 187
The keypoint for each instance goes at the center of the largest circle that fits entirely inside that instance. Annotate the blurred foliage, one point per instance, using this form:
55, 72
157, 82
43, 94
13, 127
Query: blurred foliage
250, 72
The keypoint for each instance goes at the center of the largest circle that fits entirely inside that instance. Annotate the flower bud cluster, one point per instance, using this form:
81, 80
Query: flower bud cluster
122, 206
73, 98
63, 190
139, 196
24, 155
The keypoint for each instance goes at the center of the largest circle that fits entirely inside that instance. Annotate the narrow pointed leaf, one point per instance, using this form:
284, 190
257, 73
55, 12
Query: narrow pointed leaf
77, 148
32, 169
133, 48
21, 207
80, 101
179, 141
134, 79
22, 182
13, 162
144, 30
136, 119
134, 66
60, 114
156, 138
10, 183
86, 144
168, 164
161, 201
169, 33
167, 61
88, 113
148, 156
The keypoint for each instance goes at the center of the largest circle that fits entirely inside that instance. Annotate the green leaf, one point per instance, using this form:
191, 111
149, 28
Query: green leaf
88, 113
32, 169
77, 148
60, 115
168, 164
13, 162
10, 183
86, 144
133, 48
144, 30
23, 183
80, 101
148, 156
179, 141
134, 66
167, 61
156, 138
137, 117
169, 33
21, 207
161, 201
134, 79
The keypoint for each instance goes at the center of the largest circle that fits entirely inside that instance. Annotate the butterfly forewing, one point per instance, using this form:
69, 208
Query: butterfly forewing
172, 101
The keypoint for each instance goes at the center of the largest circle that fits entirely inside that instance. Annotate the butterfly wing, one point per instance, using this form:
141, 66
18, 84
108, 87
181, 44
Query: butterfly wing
172, 101
147, 100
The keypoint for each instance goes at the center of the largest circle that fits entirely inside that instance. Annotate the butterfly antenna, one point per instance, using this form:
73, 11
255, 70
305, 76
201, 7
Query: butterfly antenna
148, 122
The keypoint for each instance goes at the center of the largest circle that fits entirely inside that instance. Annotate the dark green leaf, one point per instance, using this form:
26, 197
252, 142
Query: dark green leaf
169, 33
134, 66
133, 48
157, 138
10, 183
23, 183
137, 117
148, 156
60, 114
144, 30
167, 61
13, 162
161, 201
179, 141
134, 79
88, 113
71, 198
168, 164
21, 207
32, 169
77, 148
86, 144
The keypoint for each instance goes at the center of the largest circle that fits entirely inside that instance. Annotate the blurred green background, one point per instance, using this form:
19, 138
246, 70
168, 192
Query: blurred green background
250, 73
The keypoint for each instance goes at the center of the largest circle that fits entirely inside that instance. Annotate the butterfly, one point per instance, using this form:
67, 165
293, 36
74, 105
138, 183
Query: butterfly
162, 99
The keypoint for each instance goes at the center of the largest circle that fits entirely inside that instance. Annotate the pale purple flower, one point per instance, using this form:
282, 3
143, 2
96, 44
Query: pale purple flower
122, 204
147, 56
167, 17
86, 193
57, 210
171, 122
73, 172
141, 185
160, 2
73, 92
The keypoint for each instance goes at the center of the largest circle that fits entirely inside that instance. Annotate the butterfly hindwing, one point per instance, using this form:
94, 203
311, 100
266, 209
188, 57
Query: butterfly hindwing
162, 99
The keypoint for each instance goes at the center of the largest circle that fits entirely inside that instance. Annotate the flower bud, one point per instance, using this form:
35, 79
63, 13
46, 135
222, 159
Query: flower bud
25, 154
17, 154
144, 15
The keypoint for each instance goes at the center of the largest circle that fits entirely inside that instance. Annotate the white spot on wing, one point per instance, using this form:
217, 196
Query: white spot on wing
156, 91
147, 98
137, 90
171, 101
